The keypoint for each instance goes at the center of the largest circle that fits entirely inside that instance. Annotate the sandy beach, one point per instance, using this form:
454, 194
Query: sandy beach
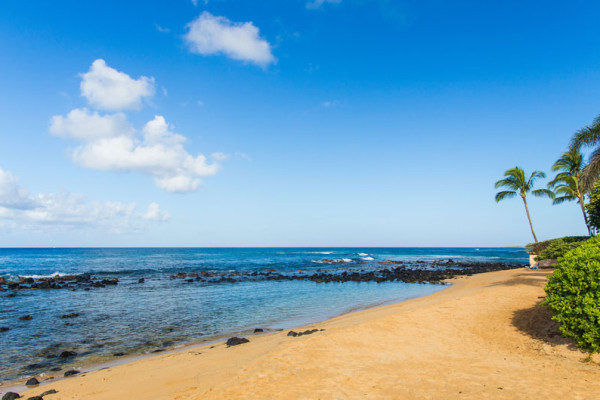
486, 337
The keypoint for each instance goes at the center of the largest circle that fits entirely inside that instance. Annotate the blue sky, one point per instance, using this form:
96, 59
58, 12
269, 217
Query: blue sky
287, 123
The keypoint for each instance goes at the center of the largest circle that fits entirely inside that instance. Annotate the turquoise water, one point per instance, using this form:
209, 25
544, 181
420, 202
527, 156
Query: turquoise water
163, 313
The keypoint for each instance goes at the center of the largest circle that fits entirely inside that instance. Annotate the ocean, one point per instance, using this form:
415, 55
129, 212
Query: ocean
188, 295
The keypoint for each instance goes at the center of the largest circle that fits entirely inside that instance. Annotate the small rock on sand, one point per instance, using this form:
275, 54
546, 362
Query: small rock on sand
32, 382
11, 396
234, 341
71, 372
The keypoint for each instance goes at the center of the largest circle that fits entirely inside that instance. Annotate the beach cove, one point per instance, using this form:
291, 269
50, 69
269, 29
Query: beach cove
486, 336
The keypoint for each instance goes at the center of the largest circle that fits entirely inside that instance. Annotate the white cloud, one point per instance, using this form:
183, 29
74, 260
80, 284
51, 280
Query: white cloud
312, 5
12, 195
82, 124
209, 34
219, 156
108, 89
156, 151
161, 29
65, 210
154, 213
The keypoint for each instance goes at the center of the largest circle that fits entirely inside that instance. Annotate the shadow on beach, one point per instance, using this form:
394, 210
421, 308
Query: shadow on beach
537, 322
537, 278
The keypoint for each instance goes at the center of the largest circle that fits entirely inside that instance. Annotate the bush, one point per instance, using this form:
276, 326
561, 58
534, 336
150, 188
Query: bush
555, 248
574, 295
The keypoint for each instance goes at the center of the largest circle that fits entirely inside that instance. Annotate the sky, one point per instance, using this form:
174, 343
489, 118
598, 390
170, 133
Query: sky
287, 123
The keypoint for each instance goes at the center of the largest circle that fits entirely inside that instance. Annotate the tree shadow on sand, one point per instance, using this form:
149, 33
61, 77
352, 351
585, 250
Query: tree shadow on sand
531, 278
537, 322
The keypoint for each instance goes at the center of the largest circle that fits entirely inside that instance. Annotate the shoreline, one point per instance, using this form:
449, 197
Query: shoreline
92, 365
444, 345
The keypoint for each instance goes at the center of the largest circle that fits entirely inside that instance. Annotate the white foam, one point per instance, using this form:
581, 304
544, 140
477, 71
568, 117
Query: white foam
362, 254
368, 258
54, 275
320, 252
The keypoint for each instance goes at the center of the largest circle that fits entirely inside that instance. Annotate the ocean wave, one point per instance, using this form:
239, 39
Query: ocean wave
338, 261
54, 275
368, 258
320, 252
362, 254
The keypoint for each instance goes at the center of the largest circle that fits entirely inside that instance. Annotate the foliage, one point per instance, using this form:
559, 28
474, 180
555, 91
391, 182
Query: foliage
559, 247
574, 295
593, 208
589, 136
541, 247
515, 181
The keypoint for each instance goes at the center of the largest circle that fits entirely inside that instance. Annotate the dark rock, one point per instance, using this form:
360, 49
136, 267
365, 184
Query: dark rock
157, 350
32, 382
55, 369
47, 392
2, 280
4, 328
11, 396
11, 294
292, 333
119, 354
257, 330
35, 398
71, 372
70, 315
26, 318
141, 280
234, 341
67, 354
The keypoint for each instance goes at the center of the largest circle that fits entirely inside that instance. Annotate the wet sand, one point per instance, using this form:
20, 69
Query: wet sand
484, 337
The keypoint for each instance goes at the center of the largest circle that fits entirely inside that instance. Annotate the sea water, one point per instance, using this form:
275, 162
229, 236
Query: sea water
163, 313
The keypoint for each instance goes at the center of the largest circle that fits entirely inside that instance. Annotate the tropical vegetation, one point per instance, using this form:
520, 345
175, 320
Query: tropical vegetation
574, 295
555, 248
566, 184
589, 136
515, 183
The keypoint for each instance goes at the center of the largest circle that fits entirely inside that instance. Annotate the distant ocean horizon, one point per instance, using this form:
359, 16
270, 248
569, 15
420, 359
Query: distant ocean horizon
168, 297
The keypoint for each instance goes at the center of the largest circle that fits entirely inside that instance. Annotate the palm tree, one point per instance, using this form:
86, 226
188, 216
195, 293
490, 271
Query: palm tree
589, 136
514, 179
566, 183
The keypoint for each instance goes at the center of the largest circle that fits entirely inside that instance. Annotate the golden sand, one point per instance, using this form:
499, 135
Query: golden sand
486, 337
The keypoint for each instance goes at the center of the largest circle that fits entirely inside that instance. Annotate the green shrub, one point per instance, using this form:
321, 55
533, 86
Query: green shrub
555, 248
574, 295
559, 247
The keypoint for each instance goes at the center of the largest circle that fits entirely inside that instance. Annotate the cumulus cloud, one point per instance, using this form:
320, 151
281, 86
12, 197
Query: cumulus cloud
65, 210
154, 213
156, 150
82, 124
209, 34
108, 89
312, 5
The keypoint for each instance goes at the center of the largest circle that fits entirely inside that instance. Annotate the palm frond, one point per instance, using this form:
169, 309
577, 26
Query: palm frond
535, 175
591, 172
562, 199
543, 193
504, 195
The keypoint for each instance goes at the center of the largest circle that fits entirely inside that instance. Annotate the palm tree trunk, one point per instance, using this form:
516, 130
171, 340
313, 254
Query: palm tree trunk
529, 218
584, 214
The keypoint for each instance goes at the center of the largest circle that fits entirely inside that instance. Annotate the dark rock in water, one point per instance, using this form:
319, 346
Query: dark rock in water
11, 294
54, 369
67, 354
234, 341
32, 382
189, 280
4, 328
71, 372
141, 280
35, 398
70, 315
2, 280
157, 350
119, 354
11, 396
26, 318
257, 330
47, 392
